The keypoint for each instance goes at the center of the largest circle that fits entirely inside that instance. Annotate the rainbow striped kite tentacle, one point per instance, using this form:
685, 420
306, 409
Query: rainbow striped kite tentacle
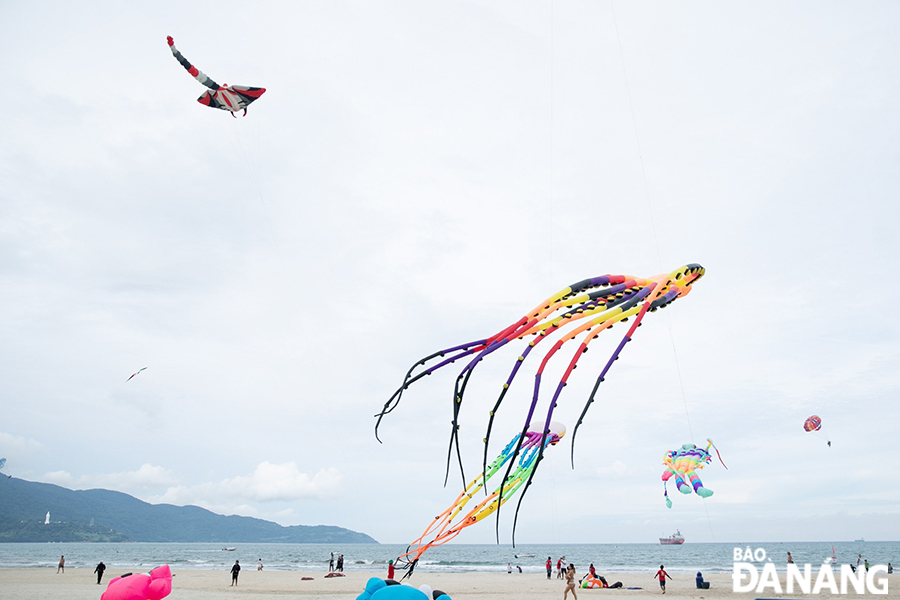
451, 522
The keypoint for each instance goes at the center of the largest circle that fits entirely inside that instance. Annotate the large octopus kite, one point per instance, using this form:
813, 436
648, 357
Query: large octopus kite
583, 309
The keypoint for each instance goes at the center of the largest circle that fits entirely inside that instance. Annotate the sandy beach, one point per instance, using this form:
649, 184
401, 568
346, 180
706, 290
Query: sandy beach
78, 584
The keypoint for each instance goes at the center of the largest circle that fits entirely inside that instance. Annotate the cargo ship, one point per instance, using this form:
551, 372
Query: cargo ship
674, 539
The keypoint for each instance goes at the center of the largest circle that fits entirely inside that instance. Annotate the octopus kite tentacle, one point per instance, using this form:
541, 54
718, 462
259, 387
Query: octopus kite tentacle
449, 524
409, 379
584, 310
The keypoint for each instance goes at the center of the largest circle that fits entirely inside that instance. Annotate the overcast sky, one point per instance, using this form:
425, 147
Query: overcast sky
417, 175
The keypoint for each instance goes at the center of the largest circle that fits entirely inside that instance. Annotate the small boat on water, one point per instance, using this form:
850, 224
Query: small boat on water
859, 540
524, 555
228, 549
676, 539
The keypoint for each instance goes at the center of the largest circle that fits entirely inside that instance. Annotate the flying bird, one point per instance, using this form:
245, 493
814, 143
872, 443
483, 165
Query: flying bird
133, 374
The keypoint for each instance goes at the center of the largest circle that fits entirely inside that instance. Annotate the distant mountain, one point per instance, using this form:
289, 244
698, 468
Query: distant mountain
104, 515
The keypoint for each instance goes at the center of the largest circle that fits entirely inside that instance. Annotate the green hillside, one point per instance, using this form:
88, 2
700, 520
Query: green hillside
23, 505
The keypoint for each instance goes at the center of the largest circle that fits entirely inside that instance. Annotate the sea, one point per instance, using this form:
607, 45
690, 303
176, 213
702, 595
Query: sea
607, 558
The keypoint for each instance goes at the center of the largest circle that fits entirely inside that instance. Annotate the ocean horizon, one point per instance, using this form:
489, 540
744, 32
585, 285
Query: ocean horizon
712, 557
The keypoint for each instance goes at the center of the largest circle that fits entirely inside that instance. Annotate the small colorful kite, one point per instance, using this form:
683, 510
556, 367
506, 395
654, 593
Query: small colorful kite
683, 464
447, 526
231, 98
582, 310
814, 425
135, 374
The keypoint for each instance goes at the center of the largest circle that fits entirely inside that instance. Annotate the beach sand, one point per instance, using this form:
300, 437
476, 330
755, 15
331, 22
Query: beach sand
80, 584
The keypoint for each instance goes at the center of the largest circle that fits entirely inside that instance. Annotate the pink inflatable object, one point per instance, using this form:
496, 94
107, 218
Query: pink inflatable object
142, 586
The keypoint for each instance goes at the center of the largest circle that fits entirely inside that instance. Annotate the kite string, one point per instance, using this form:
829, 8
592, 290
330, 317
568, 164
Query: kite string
637, 139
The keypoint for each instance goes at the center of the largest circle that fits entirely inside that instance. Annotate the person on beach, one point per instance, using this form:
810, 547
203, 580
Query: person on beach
549, 567
340, 564
99, 571
519, 568
866, 563
259, 565
570, 582
391, 569
790, 559
509, 568
890, 569
331, 563
592, 571
62, 565
661, 574
235, 569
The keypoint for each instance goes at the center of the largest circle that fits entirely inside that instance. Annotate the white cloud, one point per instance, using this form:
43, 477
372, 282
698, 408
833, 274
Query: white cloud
283, 482
11, 445
268, 483
62, 478
132, 482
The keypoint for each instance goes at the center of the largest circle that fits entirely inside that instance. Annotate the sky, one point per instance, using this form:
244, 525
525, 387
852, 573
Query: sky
417, 175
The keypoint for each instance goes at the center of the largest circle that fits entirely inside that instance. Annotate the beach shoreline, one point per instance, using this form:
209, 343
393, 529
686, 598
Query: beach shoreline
80, 584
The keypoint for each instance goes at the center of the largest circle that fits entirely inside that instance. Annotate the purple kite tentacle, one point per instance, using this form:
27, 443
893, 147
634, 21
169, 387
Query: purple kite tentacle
600, 379
407, 380
458, 393
625, 306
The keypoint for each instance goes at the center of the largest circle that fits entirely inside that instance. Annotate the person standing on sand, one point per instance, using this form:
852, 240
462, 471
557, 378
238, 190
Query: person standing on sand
549, 567
570, 582
391, 569
259, 565
235, 569
790, 559
99, 571
331, 563
866, 563
61, 566
340, 563
509, 568
662, 578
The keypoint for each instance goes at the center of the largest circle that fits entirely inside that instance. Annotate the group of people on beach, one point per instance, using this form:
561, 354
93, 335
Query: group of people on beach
339, 568
567, 572
99, 569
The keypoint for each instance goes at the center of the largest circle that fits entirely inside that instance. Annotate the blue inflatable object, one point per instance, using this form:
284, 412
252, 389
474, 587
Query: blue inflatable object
378, 589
